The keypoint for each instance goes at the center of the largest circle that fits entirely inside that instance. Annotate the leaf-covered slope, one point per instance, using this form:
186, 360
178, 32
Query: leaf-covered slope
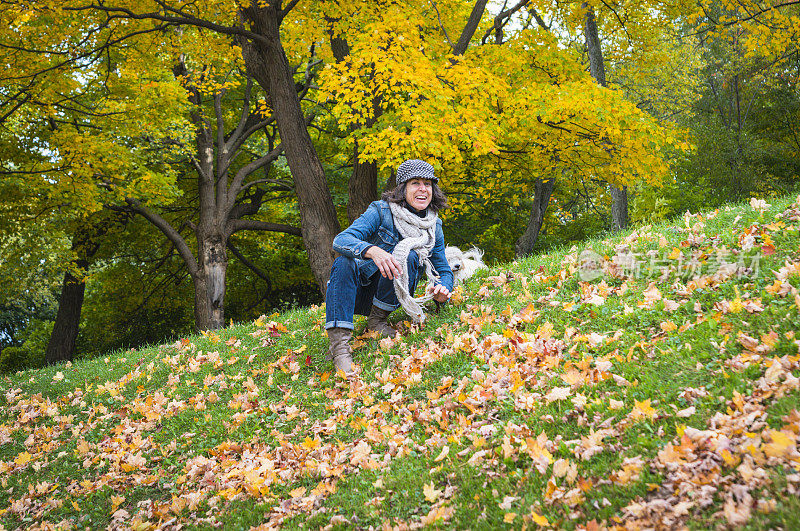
645, 380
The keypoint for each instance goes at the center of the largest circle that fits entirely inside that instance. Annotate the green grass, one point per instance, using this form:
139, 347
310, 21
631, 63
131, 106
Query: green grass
535, 398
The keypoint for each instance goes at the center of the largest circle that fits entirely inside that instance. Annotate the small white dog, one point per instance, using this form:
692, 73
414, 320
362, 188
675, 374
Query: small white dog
463, 263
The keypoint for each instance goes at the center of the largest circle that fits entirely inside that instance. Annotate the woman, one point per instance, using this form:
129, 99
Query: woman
380, 260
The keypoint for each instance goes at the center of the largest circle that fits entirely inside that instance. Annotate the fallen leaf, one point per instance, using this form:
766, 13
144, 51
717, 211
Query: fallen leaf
557, 393
442, 454
780, 445
538, 519
615, 404
430, 492
299, 492
642, 410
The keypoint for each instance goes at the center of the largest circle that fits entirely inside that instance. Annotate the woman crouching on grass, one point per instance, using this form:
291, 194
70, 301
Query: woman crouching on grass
380, 260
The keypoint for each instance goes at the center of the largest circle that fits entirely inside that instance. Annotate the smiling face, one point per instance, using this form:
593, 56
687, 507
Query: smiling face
419, 193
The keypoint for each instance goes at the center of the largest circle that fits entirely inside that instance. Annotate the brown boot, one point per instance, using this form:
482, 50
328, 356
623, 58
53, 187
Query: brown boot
340, 352
378, 322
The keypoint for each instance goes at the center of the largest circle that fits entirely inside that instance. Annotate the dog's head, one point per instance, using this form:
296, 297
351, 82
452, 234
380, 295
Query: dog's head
464, 264
455, 258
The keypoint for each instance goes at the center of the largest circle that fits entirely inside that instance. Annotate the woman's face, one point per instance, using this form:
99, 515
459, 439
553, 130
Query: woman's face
419, 193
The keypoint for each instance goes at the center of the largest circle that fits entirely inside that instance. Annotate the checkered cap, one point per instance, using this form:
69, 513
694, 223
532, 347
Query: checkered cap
415, 168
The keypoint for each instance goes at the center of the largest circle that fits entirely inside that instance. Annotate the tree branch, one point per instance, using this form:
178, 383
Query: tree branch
469, 29
168, 230
247, 169
243, 119
289, 7
439, 16
182, 19
283, 185
539, 19
250, 265
502, 19
252, 224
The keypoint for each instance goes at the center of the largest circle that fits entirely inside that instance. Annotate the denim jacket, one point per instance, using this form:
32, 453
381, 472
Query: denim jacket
376, 227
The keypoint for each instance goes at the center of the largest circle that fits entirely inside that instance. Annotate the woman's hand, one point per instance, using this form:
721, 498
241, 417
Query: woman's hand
388, 266
440, 293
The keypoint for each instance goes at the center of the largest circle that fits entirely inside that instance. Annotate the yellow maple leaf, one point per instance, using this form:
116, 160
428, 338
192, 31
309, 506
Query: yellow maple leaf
211, 336
738, 400
437, 513
509, 517
615, 404
537, 451
668, 326
538, 519
573, 377
360, 452
299, 492
651, 294
431, 493
23, 459
780, 445
310, 444
643, 409
736, 305
83, 447
116, 501
729, 459
560, 468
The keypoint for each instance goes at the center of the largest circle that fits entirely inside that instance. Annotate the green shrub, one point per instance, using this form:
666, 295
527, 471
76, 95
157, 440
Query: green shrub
29, 355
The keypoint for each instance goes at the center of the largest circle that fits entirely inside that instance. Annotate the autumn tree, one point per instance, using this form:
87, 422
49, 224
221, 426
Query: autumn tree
512, 109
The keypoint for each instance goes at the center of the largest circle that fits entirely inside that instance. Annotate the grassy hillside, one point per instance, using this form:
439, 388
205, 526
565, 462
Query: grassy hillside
645, 380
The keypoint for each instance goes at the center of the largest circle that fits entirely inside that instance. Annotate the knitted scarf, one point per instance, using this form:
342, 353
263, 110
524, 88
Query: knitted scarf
419, 234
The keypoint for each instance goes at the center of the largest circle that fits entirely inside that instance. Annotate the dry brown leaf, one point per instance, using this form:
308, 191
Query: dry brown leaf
557, 393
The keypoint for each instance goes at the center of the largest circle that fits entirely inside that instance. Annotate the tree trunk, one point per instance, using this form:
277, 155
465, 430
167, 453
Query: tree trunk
61, 346
362, 188
619, 207
541, 198
266, 62
85, 244
619, 196
469, 28
209, 282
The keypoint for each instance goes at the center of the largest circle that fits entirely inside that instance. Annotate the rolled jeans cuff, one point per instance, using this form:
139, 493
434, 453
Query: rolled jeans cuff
384, 305
338, 324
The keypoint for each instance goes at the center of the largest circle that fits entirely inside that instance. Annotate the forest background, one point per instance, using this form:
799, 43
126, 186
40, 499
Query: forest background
174, 165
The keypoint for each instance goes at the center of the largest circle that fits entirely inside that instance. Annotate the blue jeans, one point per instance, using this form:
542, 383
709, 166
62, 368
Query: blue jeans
347, 295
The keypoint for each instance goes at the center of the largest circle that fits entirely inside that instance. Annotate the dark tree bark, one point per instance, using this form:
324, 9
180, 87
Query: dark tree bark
619, 207
266, 62
470, 27
61, 346
619, 196
543, 190
85, 244
362, 188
